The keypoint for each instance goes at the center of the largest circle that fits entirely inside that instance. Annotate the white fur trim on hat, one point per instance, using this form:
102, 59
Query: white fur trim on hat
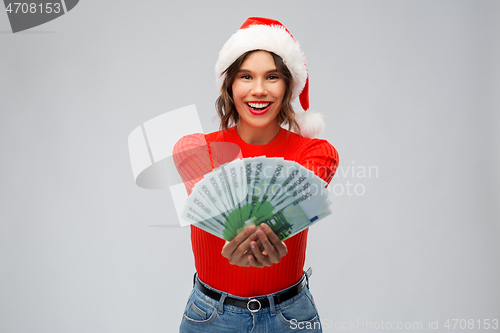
271, 38
311, 123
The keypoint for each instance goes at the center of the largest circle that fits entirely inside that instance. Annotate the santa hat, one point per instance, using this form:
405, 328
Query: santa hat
259, 33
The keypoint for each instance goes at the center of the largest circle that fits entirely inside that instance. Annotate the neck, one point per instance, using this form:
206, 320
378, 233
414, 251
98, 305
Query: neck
257, 136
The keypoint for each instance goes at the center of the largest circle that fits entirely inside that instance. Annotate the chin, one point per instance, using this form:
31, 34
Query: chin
261, 125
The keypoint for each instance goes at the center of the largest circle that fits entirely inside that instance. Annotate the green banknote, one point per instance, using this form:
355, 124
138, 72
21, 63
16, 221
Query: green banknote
281, 193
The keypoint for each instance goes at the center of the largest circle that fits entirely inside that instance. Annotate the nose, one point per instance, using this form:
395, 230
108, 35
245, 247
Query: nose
259, 88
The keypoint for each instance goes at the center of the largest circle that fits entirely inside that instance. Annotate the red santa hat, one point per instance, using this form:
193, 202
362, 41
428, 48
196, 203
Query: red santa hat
259, 33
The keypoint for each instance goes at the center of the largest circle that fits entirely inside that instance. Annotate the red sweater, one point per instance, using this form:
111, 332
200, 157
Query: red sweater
215, 270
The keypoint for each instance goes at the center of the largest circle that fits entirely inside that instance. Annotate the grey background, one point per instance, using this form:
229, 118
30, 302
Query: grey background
410, 87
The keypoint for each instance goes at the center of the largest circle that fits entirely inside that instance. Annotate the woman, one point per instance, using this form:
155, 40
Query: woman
256, 283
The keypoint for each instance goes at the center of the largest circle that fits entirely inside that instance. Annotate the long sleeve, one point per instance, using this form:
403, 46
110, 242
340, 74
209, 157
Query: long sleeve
320, 157
192, 159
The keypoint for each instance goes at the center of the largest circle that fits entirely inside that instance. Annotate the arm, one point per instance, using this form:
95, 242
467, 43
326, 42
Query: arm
192, 159
320, 157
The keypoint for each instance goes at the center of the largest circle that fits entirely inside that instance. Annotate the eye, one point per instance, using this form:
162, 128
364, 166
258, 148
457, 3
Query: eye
246, 77
273, 77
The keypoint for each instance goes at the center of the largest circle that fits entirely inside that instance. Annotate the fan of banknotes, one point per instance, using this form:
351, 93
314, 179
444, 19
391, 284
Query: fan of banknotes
281, 193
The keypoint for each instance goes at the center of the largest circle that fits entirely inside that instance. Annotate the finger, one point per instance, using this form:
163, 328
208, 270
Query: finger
258, 259
254, 263
272, 254
241, 259
230, 247
244, 247
279, 245
225, 250
247, 260
239, 256
259, 244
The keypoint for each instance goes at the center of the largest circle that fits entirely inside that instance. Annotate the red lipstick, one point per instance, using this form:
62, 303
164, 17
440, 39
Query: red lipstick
258, 112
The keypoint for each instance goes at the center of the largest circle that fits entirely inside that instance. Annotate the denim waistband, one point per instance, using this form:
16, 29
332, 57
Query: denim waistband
305, 274
272, 308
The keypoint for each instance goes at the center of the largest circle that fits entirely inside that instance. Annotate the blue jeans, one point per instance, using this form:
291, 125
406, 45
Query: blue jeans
204, 314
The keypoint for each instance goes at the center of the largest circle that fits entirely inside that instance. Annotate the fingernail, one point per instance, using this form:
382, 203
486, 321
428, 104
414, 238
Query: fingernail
260, 233
253, 246
252, 228
263, 226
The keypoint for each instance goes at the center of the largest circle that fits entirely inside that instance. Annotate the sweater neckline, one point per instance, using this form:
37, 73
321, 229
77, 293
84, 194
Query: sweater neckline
270, 147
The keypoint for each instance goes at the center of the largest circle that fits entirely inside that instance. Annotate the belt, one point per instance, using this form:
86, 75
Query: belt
254, 304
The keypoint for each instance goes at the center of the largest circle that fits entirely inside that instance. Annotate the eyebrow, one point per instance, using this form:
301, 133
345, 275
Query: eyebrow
242, 70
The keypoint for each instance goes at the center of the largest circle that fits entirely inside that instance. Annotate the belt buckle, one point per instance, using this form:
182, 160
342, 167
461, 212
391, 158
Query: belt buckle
253, 300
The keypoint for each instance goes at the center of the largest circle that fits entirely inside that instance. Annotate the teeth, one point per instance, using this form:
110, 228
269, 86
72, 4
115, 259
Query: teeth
259, 105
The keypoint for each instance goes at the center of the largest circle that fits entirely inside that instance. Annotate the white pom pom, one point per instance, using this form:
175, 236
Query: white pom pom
311, 123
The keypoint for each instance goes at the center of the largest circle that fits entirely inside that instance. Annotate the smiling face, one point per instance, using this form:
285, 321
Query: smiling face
258, 90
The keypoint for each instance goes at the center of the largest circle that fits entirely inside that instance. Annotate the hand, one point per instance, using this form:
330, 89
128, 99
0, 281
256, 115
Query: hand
238, 250
274, 248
